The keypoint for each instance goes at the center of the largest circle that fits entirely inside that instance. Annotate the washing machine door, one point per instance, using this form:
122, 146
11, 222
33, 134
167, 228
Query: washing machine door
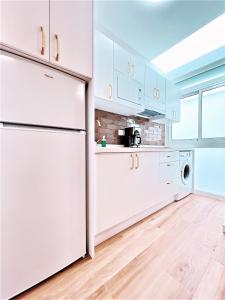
186, 173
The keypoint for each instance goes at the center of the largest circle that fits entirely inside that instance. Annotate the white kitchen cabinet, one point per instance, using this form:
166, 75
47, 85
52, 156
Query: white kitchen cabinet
59, 32
145, 181
154, 91
168, 175
122, 60
129, 64
25, 26
103, 66
71, 35
138, 69
168, 171
114, 189
128, 90
129, 184
172, 102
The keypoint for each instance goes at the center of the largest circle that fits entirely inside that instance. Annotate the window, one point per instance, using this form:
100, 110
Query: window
213, 113
202, 121
187, 128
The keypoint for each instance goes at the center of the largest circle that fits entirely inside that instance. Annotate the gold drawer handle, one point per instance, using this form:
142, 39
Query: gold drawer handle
42, 40
57, 47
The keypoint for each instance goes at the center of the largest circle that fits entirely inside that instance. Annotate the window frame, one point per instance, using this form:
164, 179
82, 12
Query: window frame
200, 142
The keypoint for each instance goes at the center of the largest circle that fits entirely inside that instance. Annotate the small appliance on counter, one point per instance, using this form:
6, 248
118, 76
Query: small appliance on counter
132, 137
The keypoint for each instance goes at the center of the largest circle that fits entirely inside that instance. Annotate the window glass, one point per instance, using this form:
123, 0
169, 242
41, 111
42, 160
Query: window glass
213, 113
187, 128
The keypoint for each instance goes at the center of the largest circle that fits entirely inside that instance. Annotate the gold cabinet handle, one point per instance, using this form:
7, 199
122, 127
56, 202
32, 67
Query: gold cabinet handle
154, 93
110, 91
57, 47
174, 114
158, 94
137, 159
42, 40
132, 162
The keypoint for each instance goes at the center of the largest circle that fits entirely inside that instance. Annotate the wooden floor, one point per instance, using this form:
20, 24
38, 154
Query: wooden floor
177, 253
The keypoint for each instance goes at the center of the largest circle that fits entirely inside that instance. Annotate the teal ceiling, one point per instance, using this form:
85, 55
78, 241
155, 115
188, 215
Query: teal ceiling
152, 28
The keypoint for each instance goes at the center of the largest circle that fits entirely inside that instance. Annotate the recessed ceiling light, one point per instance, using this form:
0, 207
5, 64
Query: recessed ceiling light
210, 37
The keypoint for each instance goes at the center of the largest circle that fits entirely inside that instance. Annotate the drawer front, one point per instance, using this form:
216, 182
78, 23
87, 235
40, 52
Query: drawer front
168, 171
169, 156
168, 190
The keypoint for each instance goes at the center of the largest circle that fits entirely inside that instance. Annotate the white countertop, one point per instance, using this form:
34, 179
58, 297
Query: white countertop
120, 148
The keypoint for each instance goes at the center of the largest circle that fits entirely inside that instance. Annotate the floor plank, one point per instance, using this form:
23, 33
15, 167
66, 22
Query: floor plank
176, 253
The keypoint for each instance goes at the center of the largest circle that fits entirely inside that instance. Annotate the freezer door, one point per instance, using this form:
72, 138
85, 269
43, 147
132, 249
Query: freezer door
42, 205
35, 94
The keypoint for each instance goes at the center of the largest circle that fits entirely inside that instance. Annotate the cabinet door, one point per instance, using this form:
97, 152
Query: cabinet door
113, 189
154, 90
161, 91
129, 90
25, 26
138, 70
146, 181
71, 35
172, 102
122, 60
103, 66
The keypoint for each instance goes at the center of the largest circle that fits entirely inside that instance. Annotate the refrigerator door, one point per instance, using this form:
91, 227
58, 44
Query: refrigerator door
35, 94
42, 208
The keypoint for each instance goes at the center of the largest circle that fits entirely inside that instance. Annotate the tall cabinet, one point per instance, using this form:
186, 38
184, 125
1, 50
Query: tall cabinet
71, 35
59, 32
25, 26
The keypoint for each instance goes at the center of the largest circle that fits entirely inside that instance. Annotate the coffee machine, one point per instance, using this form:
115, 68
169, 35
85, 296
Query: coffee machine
132, 137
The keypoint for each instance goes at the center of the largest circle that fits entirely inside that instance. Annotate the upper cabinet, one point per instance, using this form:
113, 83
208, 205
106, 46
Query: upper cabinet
128, 64
155, 90
122, 60
25, 26
126, 84
103, 73
71, 35
129, 80
59, 32
172, 102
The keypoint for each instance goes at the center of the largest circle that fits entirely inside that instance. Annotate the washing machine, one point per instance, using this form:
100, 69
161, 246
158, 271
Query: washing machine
186, 174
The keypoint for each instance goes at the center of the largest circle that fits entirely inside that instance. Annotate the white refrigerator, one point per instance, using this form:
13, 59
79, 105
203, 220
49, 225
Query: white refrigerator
42, 173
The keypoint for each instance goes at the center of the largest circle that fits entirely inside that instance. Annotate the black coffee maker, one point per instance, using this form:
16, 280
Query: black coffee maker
132, 137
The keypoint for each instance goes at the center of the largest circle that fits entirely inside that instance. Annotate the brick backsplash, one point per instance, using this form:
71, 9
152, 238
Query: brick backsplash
151, 133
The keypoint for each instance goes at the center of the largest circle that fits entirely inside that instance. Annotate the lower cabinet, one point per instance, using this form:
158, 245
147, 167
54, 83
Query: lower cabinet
128, 184
145, 181
113, 192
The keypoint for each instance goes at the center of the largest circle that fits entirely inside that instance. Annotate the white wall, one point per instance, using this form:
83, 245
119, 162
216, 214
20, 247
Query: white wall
210, 170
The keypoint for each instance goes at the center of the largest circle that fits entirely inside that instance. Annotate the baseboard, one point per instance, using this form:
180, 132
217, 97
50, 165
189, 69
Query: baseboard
210, 195
102, 236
